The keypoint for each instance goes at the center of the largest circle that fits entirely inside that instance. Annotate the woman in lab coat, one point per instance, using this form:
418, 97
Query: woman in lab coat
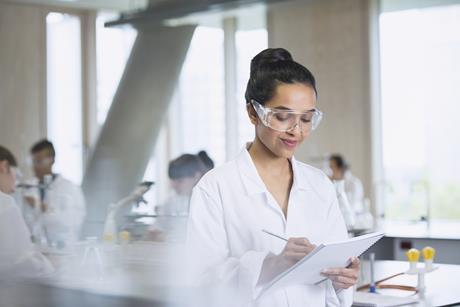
18, 258
266, 188
184, 173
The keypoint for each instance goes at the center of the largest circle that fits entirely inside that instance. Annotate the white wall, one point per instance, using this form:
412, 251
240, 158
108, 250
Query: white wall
331, 38
22, 78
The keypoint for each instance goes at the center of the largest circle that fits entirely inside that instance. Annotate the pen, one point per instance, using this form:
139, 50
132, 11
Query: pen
275, 235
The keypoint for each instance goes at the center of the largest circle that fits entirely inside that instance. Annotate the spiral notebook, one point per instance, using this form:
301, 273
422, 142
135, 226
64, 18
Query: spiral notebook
324, 256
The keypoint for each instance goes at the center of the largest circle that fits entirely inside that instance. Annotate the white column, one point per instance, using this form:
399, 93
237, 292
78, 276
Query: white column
133, 123
231, 113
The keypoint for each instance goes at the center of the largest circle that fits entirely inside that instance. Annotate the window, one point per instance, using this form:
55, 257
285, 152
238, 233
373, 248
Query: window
64, 93
196, 118
113, 49
420, 74
200, 96
157, 171
248, 44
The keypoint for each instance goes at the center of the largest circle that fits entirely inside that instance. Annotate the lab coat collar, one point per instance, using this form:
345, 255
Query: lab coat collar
252, 181
348, 175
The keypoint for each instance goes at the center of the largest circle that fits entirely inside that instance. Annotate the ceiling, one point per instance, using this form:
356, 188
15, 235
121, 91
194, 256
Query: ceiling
208, 12
118, 5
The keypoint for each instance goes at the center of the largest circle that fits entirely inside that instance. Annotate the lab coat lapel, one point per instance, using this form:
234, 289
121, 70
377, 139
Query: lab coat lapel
301, 204
252, 182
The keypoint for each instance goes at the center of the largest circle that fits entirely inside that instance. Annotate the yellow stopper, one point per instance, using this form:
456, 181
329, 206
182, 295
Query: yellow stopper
428, 253
108, 237
413, 255
124, 235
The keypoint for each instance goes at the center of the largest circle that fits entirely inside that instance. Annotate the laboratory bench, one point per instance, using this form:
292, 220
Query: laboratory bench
142, 289
147, 274
442, 288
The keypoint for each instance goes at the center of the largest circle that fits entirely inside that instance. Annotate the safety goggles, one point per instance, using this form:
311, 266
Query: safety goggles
40, 162
287, 120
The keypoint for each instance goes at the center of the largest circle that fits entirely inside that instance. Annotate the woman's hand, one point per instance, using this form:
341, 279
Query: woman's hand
294, 250
344, 278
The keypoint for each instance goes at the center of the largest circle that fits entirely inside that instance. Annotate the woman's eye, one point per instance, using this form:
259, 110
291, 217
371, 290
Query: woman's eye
281, 117
306, 118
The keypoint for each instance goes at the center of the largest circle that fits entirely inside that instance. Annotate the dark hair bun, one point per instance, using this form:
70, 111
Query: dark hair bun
269, 56
203, 154
272, 67
206, 160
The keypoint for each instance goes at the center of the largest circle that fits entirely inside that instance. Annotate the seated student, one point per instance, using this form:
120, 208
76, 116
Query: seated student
18, 258
352, 187
56, 212
184, 172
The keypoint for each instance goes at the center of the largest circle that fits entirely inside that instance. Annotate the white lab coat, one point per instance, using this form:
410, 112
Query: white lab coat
347, 211
354, 191
18, 257
66, 211
172, 218
229, 208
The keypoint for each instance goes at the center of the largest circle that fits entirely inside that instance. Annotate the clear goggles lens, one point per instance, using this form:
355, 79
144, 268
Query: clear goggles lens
287, 120
41, 162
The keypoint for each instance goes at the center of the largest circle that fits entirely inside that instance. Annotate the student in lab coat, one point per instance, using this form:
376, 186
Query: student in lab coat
183, 172
352, 185
57, 211
265, 187
18, 258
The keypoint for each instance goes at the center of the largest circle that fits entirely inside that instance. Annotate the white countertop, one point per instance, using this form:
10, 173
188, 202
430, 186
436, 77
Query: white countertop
442, 288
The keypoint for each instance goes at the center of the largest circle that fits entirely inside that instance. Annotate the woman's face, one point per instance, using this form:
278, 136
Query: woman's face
297, 97
337, 172
184, 186
7, 178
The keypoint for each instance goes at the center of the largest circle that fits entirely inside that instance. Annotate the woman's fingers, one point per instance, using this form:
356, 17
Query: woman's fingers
342, 282
355, 262
299, 241
301, 248
296, 249
344, 277
300, 245
350, 273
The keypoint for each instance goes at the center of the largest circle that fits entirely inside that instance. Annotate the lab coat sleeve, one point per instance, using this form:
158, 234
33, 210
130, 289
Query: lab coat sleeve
211, 262
336, 232
18, 257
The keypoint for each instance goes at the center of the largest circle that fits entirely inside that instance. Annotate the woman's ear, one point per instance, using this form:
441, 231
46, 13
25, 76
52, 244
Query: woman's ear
198, 176
4, 167
252, 114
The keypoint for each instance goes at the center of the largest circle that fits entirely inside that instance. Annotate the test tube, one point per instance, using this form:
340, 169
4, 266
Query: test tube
372, 282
